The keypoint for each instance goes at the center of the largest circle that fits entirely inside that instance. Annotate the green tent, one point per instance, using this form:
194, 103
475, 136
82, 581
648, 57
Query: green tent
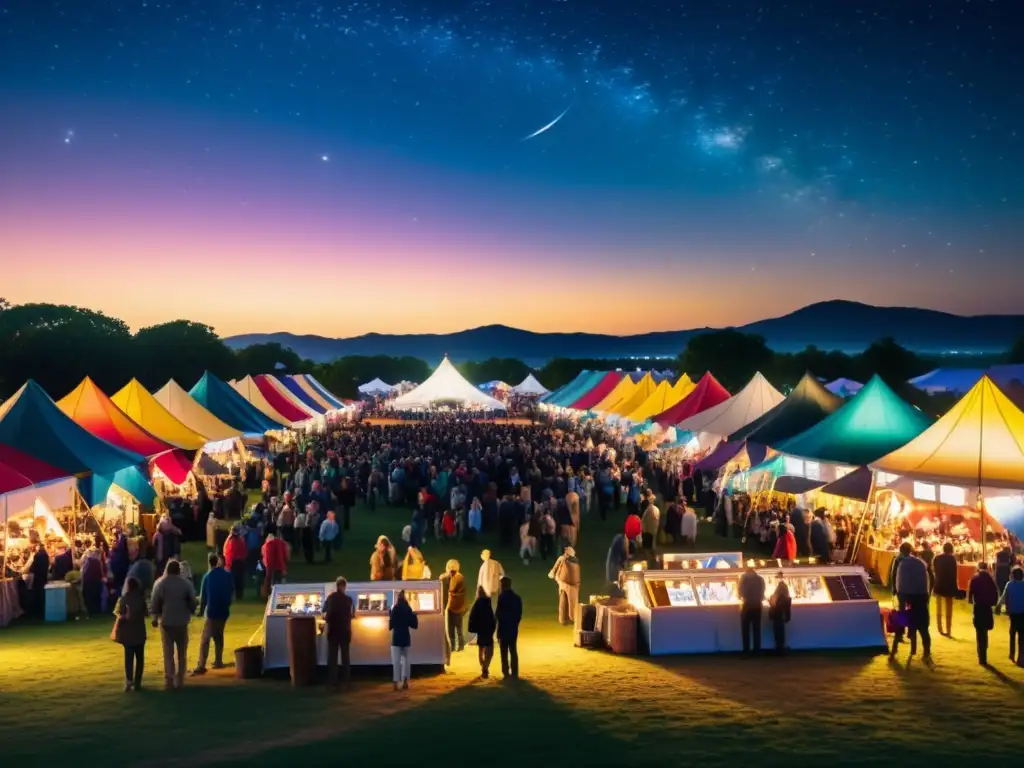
806, 405
226, 404
872, 424
33, 424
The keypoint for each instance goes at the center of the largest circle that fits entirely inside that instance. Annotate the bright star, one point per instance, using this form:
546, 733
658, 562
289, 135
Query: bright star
325, 158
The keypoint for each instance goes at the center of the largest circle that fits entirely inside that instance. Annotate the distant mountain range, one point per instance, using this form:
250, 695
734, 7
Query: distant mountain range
843, 325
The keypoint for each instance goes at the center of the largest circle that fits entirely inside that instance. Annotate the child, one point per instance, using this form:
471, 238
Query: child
527, 543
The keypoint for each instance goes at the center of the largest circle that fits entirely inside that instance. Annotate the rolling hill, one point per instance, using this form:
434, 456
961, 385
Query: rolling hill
844, 325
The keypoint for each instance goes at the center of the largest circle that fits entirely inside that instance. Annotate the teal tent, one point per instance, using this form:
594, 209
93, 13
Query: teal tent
33, 424
226, 404
576, 390
551, 397
872, 424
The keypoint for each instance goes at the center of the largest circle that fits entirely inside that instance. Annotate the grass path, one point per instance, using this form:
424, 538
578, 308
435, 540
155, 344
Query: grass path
61, 699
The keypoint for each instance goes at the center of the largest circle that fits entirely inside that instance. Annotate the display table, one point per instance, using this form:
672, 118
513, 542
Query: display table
371, 637
10, 608
698, 612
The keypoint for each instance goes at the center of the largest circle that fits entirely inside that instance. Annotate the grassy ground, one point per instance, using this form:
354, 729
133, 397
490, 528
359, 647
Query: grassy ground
61, 698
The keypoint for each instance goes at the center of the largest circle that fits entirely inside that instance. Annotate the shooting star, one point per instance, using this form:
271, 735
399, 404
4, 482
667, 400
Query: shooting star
547, 127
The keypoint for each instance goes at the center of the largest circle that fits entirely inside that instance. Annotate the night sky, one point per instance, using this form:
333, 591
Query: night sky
338, 168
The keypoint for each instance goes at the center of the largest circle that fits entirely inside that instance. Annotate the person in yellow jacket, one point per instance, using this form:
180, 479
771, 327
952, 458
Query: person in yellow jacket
413, 566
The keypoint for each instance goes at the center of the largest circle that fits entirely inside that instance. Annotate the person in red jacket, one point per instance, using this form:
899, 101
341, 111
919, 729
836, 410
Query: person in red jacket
275, 560
785, 547
235, 552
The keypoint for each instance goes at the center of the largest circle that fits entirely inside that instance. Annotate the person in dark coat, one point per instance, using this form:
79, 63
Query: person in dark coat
401, 621
482, 623
338, 612
507, 617
944, 587
130, 632
983, 595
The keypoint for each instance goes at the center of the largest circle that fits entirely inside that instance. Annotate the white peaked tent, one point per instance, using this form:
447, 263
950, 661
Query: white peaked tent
529, 386
750, 403
446, 385
375, 387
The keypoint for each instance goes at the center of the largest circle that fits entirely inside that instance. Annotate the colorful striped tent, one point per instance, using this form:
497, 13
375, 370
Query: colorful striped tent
337, 402
33, 424
706, 394
89, 407
301, 394
270, 384
142, 408
275, 407
598, 392
19, 470
230, 407
173, 397
309, 389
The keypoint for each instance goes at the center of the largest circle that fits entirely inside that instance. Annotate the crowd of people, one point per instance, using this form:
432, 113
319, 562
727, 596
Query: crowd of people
528, 489
917, 576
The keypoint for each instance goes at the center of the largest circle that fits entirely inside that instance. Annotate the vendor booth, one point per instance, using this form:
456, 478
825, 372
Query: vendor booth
371, 638
698, 612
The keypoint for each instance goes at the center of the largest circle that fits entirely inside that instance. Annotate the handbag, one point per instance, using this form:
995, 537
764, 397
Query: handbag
896, 619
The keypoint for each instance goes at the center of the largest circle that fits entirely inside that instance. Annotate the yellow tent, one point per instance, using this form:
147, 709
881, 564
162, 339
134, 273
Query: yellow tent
247, 388
979, 442
308, 388
644, 389
190, 413
621, 391
142, 408
663, 397
659, 400
683, 387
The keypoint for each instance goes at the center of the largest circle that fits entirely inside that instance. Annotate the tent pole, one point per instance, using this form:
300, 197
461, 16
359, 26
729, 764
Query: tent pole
869, 504
980, 501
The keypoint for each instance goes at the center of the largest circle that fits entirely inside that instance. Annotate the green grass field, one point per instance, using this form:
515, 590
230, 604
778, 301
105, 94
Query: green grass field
61, 696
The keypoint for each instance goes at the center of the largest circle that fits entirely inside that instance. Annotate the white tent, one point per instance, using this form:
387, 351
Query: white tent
750, 403
375, 387
446, 385
529, 386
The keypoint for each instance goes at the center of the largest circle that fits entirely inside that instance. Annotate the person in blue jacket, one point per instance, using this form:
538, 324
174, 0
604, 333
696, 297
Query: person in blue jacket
215, 594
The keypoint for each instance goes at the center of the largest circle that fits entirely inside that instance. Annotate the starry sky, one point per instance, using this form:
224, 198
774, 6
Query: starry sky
345, 167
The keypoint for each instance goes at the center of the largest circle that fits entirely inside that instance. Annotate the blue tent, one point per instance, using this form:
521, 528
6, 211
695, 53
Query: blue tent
33, 424
226, 404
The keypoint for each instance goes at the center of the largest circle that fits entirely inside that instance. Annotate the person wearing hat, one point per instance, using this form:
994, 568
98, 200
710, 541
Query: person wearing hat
566, 573
491, 573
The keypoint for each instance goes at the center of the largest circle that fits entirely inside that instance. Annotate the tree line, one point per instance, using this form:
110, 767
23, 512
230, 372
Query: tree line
59, 345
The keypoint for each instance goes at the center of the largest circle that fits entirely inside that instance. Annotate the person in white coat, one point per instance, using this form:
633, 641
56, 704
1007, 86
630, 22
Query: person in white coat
490, 574
566, 573
688, 527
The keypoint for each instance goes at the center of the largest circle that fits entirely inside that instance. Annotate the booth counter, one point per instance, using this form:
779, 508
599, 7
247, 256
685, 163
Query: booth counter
371, 638
698, 612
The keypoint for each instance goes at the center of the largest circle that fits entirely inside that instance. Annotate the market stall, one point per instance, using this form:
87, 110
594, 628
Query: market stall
371, 638
697, 612
928, 516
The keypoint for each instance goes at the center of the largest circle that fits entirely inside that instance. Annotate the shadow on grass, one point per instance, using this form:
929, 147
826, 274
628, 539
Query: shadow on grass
504, 723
